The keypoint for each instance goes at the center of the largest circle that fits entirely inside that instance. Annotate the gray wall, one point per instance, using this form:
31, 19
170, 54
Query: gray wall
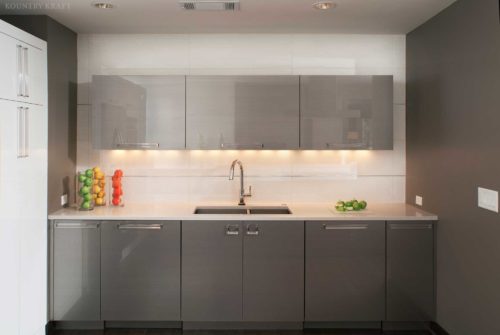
62, 78
453, 146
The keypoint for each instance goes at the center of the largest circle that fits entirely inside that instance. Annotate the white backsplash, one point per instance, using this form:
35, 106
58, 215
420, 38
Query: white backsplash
276, 176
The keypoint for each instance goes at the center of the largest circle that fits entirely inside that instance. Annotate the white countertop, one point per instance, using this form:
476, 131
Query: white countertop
300, 212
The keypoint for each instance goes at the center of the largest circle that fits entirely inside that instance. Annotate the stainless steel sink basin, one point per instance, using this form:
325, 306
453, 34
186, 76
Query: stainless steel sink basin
246, 210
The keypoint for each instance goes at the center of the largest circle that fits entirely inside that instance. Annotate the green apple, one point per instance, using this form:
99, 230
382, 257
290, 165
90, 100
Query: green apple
82, 178
88, 182
87, 197
86, 204
89, 173
85, 190
363, 204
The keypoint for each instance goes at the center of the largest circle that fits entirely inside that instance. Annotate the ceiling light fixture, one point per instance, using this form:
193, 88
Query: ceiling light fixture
103, 5
324, 5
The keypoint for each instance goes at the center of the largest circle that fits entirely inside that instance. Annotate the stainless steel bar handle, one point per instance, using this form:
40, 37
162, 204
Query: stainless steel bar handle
345, 227
19, 83
26, 75
138, 145
241, 146
252, 230
410, 226
131, 226
76, 225
20, 132
26, 132
232, 230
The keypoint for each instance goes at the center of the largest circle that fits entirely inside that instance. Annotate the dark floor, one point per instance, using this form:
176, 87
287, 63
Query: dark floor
229, 332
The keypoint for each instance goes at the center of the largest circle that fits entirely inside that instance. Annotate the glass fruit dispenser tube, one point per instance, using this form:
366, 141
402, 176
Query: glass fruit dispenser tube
85, 183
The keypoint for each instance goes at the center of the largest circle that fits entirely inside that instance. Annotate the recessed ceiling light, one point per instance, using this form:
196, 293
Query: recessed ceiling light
103, 5
323, 5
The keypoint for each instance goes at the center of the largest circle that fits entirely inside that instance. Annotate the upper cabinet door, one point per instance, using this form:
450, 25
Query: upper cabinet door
138, 112
24, 71
346, 112
242, 112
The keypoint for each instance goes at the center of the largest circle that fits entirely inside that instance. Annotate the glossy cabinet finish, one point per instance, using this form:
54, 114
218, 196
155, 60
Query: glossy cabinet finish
212, 271
242, 112
76, 271
346, 112
138, 112
140, 271
410, 271
273, 271
345, 271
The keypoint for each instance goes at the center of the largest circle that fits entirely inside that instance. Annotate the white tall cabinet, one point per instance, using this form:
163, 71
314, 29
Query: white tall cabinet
23, 182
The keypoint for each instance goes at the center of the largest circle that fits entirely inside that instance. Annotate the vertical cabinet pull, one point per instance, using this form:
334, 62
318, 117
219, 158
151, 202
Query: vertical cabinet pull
26, 72
20, 132
26, 132
20, 82
23, 133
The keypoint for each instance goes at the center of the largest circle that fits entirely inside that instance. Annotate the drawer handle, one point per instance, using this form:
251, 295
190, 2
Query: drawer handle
128, 226
232, 230
406, 226
345, 227
252, 230
77, 225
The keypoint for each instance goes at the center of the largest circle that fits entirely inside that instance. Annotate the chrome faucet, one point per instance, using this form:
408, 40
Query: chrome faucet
242, 185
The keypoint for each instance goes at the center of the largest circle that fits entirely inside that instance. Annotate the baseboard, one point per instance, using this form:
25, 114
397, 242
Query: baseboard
242, 325
377, 325
79, 325
49, 327
144, 324
437, 329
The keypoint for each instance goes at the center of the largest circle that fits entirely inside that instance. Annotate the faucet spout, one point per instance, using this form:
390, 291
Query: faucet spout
242, 182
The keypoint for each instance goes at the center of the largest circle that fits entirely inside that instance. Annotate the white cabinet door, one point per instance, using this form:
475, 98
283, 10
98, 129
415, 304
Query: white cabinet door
9, 218
33, 225
23, 216
11, 68
24, 71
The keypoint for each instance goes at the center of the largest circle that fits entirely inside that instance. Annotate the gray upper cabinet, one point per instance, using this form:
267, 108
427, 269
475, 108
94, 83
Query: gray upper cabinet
76, 274
138, 112
410, 271
211, 271
346, 112
242, 112
345, 271
141, 271
273, 271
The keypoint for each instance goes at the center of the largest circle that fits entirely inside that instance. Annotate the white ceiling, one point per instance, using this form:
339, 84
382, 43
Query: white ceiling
256, 16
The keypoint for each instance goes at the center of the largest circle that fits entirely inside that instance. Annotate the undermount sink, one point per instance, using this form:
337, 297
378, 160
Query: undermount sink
247, 210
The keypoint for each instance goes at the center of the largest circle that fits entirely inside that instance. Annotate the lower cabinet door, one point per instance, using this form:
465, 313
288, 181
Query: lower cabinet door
76, 276
410, 271
211, 271
140, 271
345, 271
273, 271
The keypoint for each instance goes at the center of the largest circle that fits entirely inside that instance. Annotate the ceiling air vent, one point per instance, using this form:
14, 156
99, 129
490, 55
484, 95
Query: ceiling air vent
224, 5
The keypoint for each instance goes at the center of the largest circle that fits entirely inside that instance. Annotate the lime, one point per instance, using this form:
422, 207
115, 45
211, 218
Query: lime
86, 204
88, 182
82, 178
356, 206
85, 190
89, 173
87, 197
348, 204
363, 204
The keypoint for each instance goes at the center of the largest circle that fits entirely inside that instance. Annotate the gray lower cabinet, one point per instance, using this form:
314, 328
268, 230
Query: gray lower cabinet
211, 271
345, 271
141, 271
76, 271
242, 271
410, 271
273, 271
